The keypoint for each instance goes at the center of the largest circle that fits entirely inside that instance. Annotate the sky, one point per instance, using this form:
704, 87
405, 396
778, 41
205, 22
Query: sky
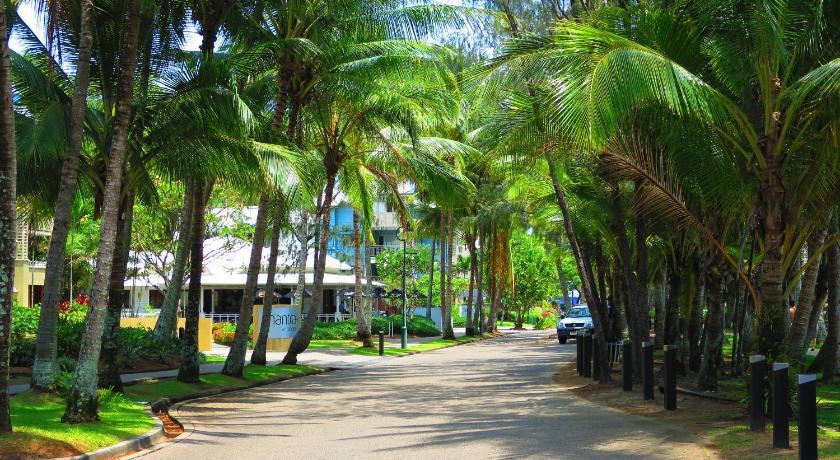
28, 13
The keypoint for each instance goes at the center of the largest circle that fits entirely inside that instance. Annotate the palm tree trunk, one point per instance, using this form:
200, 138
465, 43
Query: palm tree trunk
44, 368
82, 400
584, 269
368, 304
168, 319
771, 314
8, 217
695, 316
362, 323
235, 362
479, 303
430, 291
805, 303
448, 333
713, 346
444, 315
258, 355
830, 347
301, 340
110, 376
303, 237
471, 293
190, 369
672, 306
660, 294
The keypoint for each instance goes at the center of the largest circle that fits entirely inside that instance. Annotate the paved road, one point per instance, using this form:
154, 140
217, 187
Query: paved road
493, 399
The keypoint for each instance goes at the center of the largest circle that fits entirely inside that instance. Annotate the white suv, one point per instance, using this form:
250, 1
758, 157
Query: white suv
576, 320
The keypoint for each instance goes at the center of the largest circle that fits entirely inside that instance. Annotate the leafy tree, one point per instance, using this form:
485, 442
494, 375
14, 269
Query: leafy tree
535, 276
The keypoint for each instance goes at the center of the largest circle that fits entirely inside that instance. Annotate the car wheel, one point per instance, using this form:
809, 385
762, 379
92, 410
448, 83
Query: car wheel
562, 339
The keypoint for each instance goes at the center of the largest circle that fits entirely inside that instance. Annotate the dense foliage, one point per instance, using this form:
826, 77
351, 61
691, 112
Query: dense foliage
135, 343
418, 326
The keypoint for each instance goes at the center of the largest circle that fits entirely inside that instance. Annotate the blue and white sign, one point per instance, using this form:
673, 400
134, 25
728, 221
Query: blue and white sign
285, 322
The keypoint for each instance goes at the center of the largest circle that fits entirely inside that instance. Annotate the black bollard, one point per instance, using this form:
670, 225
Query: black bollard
781, 396
587, 355
181, 333
381, 343
579, 349
808, 416
758, 408
596, 358
627, 365
647, 375
670, 377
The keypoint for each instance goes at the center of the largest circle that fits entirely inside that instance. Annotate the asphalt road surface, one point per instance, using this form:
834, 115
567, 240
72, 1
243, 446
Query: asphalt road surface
492, 399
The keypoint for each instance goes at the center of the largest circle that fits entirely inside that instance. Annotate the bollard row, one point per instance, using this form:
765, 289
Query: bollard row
807, 402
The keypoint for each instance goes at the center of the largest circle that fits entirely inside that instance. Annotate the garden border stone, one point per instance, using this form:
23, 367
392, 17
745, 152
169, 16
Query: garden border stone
137, 443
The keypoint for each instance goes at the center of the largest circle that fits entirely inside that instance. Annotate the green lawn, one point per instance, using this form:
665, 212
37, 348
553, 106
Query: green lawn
39, 432
214, 359
152, 390
740, 442
432, 345
511, 324
333, 344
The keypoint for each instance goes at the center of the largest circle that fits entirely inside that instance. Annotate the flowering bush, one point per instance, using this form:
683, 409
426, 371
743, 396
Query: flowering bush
223, 333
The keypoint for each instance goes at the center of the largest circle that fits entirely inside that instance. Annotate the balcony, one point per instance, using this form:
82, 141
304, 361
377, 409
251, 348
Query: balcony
386, 220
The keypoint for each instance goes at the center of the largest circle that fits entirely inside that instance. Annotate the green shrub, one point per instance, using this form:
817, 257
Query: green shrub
134, 343
419, 326
22, 352
340, 330
548, 322
24, 320
459, 321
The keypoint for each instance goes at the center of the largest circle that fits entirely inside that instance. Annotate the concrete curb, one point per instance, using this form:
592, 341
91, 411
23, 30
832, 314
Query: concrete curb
144, 441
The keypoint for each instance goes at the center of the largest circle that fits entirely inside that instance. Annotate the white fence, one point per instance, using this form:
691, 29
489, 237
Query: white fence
234, 317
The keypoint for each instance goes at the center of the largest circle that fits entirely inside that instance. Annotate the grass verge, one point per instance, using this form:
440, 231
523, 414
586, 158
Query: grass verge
39, 433
330, 343
153, 390
432, 345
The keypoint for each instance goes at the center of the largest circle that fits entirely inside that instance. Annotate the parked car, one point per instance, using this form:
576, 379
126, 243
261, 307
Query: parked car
577, 319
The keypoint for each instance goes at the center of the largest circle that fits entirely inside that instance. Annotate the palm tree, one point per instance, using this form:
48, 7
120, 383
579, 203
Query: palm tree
44, 368
235, 362
258, 355
763, 132
82, 400
8, 217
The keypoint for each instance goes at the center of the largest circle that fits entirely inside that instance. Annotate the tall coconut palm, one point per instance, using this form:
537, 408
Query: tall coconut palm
82, 401
8, 217
766, 129
44, 368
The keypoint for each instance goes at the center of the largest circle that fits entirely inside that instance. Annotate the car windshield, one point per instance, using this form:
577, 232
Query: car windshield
579, 312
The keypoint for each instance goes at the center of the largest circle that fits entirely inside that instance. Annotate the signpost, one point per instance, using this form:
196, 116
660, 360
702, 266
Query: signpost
285, 322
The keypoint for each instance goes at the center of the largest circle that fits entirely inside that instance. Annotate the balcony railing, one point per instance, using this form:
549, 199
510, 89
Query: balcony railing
375, 250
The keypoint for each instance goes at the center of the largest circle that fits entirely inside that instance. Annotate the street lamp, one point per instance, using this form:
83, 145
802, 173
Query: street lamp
402, 235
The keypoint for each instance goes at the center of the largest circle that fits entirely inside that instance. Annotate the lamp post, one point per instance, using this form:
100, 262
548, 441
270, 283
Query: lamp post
403, 236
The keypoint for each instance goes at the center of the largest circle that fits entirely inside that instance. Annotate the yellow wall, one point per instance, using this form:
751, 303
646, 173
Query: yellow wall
24, 279
205, 334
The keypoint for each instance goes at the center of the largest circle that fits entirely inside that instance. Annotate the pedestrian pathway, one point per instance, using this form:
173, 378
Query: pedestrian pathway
326, 358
